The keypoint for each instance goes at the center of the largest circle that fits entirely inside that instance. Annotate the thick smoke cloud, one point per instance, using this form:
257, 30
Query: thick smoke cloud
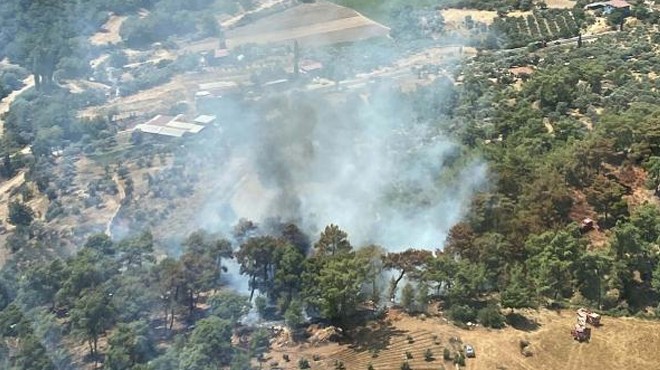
364, 163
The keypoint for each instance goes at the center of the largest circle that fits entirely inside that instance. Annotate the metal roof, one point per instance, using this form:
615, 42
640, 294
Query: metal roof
204, 119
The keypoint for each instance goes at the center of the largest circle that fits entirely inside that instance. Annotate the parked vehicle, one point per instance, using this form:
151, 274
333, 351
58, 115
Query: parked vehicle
469, 351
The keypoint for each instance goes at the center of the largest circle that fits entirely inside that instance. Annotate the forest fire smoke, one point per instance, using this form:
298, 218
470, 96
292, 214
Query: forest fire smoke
363, 163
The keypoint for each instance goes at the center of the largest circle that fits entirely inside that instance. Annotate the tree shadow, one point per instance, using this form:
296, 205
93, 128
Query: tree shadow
375, 336
520, 322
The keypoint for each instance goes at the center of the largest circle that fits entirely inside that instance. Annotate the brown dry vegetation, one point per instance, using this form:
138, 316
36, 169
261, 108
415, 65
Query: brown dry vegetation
456, 17
560, 4
621, 343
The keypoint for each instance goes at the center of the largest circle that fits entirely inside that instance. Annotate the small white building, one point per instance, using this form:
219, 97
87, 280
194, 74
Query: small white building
205, 119
169, 126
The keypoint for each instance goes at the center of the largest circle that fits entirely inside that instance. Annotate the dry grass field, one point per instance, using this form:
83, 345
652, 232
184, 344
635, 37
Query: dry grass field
620, 343
319, 23
560, 4
456, 17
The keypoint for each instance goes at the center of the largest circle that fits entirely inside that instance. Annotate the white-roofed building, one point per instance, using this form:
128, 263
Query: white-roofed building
205, 119
169, 126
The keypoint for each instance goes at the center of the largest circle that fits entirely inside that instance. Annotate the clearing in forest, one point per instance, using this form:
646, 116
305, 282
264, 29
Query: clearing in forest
620, 343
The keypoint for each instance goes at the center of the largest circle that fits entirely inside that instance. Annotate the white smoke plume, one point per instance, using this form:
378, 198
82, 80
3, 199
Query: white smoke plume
364, 164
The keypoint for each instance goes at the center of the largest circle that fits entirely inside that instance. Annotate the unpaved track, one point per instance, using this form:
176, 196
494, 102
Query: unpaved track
6, 102
122, 195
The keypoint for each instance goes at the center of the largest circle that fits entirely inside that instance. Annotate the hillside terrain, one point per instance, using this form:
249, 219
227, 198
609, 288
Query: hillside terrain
284, 184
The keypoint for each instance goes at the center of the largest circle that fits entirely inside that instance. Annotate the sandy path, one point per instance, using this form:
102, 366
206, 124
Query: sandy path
6, 102
122, 195
5, 188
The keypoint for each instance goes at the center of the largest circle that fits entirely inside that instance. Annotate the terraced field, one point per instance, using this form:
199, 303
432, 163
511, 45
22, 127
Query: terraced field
393, 357
546, 25
619, 344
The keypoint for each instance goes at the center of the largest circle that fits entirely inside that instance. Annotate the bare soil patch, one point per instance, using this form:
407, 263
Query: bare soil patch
319, 23
599, 26
519, 13
560, 4
521, 70
109, 33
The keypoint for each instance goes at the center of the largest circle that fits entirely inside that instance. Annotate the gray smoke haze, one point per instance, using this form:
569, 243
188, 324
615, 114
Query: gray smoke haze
359, 158
361, 162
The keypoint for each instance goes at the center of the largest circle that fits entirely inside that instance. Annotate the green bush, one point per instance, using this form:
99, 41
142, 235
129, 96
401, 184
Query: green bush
459, 359
491, 317
462, 313
303, 363
446, 355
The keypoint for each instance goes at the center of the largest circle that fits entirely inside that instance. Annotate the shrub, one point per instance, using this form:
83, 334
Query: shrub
303, 363
409, 355
428, 355
446, 355
410, 339
370, 367
523, 343
459, 359
405, 366
491, 317
462, 313
339, 365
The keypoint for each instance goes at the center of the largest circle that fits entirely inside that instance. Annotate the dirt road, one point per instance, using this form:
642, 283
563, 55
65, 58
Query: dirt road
122, 195
6, 102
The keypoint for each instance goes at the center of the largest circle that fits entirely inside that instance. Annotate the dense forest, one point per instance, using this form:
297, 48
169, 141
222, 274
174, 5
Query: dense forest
576, 136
